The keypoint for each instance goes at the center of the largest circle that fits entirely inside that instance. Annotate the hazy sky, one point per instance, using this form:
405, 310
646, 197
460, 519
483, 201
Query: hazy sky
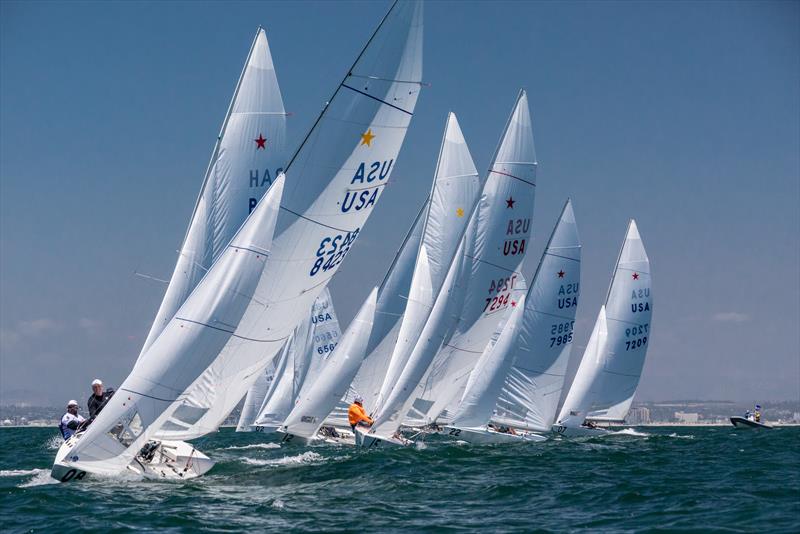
683, 115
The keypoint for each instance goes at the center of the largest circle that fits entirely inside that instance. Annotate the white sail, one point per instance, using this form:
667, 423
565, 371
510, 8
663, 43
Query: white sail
391, 304
486, 380
611, 367
248, 156
490, 281
453, 198
255, 398
533, 385
373, 106
303, 361
453, 193
244, 309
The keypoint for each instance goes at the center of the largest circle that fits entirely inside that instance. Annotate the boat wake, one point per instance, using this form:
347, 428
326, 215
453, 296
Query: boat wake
40, 476
252, 446
630, 432
308, 457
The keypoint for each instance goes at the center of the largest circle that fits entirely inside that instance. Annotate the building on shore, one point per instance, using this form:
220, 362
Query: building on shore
638, 416
687, 417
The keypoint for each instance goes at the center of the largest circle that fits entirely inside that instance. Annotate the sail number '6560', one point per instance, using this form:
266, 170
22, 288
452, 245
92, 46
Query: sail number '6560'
332, 251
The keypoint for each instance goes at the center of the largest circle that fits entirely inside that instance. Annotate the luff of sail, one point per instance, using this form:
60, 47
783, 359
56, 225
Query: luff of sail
359, 133
454, 195
203, 325
610, 369
491, 281
184, 370
248, 156
534, 383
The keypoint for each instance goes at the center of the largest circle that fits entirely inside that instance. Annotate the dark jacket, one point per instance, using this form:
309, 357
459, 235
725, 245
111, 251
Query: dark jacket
97, 403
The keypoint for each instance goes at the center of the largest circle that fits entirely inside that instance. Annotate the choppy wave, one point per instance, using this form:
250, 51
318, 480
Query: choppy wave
303, 458
630, 432
252, 446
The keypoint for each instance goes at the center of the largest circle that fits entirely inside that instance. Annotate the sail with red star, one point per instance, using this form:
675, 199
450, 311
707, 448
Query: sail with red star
610, 369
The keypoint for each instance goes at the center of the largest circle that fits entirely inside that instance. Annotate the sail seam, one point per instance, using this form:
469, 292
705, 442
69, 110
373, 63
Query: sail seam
313, 221
562, 257
229, 332
512, 176
492, 264
378, 99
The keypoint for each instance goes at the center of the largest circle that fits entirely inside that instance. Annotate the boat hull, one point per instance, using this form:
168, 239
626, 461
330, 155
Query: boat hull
744, 423
373, 441
579, 431
486, 436
171, 460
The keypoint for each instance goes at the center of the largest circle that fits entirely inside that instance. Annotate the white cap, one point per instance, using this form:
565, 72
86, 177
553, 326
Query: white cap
97, 382
359, 399
73, 402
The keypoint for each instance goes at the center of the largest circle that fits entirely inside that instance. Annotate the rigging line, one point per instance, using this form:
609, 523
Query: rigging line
231, 333
562, 257
142, 275
512, 176
148, 396
493, 264
366, 77
378, 99
313, 221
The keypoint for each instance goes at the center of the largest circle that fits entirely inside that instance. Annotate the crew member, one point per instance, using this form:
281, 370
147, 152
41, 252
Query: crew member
71, 420
357, 416
99, 398
757, 413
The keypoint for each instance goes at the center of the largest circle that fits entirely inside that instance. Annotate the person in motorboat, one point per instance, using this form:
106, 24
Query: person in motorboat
99, 398
71, 420
757, 414
357, 416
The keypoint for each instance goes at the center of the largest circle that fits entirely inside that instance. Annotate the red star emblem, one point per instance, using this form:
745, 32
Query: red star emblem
635, 276
260, 142
510, 202
513, 303
561, 273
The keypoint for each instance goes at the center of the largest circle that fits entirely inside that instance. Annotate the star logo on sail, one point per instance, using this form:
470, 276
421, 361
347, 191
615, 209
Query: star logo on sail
367, 137
460, 212
261, 142
561, 273
635, 276
510, 202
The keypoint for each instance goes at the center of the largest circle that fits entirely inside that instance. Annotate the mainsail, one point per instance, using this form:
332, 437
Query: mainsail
528, 368
453, 199
482, 282
248, 156
611, 366
253, 296
453, 193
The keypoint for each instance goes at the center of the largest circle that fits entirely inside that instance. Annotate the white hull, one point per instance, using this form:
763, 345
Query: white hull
343, 437
486, 436
579, 431
743, 422
373, 441
170, 460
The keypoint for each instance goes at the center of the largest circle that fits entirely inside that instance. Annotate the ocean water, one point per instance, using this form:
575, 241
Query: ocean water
668, 479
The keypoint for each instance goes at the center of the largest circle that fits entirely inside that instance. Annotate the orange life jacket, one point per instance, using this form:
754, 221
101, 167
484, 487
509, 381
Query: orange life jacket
356, 414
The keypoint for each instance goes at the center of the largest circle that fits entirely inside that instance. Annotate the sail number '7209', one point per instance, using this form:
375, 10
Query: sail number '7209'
332, 251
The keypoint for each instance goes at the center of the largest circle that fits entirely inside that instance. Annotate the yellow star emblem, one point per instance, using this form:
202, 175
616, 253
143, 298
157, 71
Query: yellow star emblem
460, 212
366, 138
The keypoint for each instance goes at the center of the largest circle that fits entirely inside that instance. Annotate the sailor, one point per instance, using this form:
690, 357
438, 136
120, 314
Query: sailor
71, 420
357, 416
99, 398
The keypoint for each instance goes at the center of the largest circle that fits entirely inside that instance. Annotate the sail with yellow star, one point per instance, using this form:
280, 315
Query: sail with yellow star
247, 305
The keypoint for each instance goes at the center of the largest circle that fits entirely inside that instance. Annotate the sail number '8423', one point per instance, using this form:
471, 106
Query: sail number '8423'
332, 251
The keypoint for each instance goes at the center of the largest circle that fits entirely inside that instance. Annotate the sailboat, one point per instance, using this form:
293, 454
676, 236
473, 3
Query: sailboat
608, 375
303, 359
243, 310
453, 195
513, 392
482, 281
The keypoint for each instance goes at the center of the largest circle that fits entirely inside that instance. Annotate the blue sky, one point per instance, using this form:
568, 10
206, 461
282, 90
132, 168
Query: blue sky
684, 115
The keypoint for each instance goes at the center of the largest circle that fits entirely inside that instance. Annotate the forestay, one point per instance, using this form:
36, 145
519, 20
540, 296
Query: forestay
245, 308
453, 198
480, 285
534, 383
609, 372
248, 156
